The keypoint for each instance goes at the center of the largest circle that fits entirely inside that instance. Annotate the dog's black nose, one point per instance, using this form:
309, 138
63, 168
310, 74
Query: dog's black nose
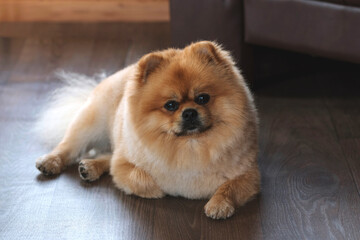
189, 114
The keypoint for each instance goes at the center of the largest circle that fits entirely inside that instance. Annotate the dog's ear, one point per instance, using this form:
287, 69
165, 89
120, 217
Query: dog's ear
208, 51
147, 65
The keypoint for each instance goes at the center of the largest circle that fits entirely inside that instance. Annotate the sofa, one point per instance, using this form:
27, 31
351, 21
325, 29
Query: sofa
323, 28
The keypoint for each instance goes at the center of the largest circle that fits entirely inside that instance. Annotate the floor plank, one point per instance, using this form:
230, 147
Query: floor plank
343, 102
10, 50
351, 149
22, 101
307, 189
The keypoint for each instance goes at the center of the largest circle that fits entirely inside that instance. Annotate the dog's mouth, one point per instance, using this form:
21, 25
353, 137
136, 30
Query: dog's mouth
192, 130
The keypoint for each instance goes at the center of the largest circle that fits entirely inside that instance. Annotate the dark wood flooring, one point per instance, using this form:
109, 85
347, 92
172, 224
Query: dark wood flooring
309, 149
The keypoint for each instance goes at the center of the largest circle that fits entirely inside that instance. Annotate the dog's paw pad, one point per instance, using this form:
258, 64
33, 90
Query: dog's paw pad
49, 164
219, 209
83, 172
87, 171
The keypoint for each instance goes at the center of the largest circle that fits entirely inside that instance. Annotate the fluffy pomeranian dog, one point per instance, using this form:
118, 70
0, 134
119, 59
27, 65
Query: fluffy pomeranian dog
180, 122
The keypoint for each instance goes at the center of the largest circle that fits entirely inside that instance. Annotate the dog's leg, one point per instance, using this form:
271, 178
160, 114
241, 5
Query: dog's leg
233, 193
86, 127
92, 169
134, 180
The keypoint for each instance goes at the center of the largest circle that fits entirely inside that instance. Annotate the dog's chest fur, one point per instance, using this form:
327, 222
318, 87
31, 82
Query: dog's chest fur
195, 181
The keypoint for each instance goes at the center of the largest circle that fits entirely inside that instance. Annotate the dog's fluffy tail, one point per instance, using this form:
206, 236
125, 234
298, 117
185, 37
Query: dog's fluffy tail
63, 105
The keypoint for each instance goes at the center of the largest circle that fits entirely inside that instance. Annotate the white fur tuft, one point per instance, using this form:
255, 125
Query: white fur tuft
63, 105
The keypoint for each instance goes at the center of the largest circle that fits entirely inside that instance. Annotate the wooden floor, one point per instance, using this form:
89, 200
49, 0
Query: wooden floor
309, 149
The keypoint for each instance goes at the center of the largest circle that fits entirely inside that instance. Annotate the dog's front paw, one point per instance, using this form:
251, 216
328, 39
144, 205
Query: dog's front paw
88, 171
50, 164
219, 207
143, 185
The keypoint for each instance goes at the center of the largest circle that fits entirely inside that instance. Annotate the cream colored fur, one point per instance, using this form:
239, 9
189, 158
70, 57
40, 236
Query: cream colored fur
66, 102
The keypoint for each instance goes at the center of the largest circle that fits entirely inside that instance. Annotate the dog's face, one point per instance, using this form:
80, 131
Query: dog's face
186, 94
189, 112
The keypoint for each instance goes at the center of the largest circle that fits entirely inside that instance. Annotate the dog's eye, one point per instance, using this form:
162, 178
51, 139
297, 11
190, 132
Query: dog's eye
171, 106
202, 99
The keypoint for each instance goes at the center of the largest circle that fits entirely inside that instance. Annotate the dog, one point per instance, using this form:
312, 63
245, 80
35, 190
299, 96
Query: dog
179, 122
